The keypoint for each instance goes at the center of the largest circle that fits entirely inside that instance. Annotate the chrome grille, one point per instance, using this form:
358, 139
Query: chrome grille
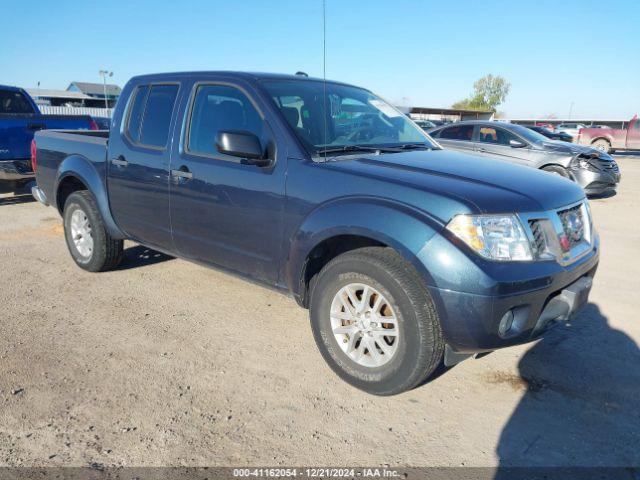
573, 224
539, 239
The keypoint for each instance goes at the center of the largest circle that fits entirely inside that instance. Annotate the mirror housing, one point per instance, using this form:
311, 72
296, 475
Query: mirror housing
517, 144
239, 143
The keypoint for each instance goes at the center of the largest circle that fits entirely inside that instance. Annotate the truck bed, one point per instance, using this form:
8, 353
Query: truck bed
55, 147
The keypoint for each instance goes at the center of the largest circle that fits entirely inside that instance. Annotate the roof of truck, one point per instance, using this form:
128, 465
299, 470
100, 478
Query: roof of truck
231, 74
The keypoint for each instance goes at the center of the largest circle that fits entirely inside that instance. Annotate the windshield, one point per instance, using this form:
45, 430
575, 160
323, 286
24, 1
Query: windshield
528, 134
330, 117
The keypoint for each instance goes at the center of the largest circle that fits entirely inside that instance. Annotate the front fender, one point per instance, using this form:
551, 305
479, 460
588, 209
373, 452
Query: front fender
399, 226
85, 170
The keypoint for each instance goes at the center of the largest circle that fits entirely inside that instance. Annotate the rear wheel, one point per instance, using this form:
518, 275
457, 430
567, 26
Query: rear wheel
558, 170
89, 243
374, 322
602, 145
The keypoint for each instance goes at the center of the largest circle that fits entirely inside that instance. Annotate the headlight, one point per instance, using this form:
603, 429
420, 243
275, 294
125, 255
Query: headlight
496, 237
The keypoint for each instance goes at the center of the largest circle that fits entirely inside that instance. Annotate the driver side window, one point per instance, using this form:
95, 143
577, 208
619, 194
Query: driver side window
496, 136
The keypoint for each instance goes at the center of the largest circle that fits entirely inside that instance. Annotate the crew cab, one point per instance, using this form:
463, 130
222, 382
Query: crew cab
19, 119
611, 139
406, 255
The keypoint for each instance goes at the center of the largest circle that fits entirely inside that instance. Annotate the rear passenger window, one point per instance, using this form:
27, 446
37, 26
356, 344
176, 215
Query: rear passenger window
135, 113
157, 115
459, 132
150, 115
220, 108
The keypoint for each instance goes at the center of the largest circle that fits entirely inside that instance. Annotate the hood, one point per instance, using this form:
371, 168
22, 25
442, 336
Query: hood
445, 182
558, 146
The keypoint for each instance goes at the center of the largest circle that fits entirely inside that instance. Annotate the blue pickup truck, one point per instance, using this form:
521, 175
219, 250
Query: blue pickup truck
20, 118
408, 256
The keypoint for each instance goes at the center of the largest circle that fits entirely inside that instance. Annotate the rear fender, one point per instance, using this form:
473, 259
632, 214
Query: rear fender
399, 226
84, 170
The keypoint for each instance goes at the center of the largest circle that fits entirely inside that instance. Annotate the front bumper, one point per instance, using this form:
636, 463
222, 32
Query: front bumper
15, 170
597, 182
471, 321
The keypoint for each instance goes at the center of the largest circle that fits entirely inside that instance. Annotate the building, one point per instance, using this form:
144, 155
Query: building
97, 90
63, 98
446, 114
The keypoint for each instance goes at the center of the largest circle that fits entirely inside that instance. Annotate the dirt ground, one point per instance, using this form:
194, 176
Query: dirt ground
164, 362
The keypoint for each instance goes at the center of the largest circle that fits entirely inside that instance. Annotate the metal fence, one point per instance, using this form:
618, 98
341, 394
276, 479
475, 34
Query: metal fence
94, 112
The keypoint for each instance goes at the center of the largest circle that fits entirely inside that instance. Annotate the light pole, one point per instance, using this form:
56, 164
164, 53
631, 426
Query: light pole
104, 74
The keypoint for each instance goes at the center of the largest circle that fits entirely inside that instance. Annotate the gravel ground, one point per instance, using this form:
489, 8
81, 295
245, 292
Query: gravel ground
164, 362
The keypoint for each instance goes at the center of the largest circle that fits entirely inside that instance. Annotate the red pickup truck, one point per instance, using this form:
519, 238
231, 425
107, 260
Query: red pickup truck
612, 139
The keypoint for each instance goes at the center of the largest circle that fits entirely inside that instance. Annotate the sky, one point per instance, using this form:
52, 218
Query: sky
578, 55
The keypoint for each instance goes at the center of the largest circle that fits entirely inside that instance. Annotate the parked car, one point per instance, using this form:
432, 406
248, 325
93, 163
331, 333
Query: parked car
570, 128
565, 137
612, 139
595, 171
425, 124
19, 119
103, 123
407, 255
548, 126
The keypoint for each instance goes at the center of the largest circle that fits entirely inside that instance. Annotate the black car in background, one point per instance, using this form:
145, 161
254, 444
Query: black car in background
565, 137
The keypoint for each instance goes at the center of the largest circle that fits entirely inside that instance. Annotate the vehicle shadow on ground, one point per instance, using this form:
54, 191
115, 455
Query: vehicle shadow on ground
16, 199
602, 196
582, 394
141, 256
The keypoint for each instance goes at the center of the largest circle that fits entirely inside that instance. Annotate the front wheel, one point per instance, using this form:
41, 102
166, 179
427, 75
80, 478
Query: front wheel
602, 145
89, 243
375, 322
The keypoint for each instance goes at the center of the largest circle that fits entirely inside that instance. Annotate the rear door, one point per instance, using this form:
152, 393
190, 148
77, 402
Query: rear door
139, 154
18, 122
226, 211
493, 141
457, 137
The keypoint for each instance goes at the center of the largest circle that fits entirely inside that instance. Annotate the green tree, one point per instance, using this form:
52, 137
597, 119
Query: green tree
488, 92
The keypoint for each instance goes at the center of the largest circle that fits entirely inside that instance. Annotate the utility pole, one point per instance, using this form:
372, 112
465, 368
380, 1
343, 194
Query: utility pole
570, 110
104, 74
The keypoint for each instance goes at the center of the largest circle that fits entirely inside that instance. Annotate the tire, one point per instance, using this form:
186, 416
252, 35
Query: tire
419, 344
558, 170
93, 248
602, 145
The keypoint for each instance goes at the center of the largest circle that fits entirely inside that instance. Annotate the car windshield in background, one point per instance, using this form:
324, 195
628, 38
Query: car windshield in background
528, 134
331, 117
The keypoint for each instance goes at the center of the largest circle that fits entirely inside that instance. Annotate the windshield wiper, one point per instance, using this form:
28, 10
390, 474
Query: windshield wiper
413, 146
358, 148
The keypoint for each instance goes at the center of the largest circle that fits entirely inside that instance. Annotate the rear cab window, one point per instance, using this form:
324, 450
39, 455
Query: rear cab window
150, 114
14, 102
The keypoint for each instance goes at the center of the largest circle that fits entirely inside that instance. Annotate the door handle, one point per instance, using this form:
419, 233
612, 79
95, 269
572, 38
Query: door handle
183, 173
119, 161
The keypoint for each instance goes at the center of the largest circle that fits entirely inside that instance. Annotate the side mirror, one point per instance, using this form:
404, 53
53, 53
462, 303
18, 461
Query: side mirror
517, 144
242, 144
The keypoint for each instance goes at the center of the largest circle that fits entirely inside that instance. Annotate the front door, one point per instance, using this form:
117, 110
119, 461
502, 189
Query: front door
496, 142
138, 165
224, 210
